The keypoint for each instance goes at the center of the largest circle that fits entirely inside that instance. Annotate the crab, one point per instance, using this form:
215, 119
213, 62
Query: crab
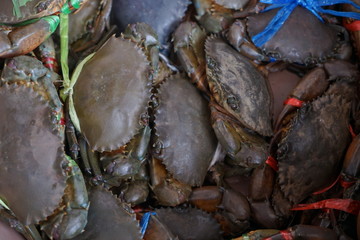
26, 24
312, 42
210, 69
231, 209
184, 139
87, 24
196, 224
217, 15
163, 16
168, 191
111, 104
38, 168
324, 121
109, 218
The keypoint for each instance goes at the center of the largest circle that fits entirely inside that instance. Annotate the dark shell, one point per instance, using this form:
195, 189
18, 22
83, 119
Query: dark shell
238, 86
156, 230
301, 39
190, 223
162, 15
111, 94
310, 154
31, 9
281, 83
184, 132
109, 218
32, 181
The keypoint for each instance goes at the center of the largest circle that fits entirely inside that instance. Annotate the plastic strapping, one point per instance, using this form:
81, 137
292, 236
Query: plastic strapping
144, 222
272, 163
347, 205
328, 187
286, 235
353, 26
293, 102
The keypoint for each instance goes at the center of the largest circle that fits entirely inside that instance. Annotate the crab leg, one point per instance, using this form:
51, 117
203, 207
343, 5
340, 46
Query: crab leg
24, 39
71, 220
29, 232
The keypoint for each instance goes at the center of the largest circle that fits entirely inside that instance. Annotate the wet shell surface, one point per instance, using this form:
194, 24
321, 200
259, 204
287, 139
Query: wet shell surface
111, 94
109, 218
17, 11
190, 223
182, 125
162, 15
301, 39
238, 86
310, 154
32, 181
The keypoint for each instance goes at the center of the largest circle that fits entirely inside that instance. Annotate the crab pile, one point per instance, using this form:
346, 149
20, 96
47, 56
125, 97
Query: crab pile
179, 119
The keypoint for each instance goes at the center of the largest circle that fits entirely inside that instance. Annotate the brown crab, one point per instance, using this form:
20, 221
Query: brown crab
217, 15
26, 24
196, 224
312, 42
109, 218
87, 24
161, 15
34, 164
243, 146
111, 105
184, 140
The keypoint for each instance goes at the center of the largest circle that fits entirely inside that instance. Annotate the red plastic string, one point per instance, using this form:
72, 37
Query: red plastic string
272, 163
49, 62
62, 121
286, 235
353, 26
327, 188
351, 130
49, 59
293, 102
347, 205
346, 184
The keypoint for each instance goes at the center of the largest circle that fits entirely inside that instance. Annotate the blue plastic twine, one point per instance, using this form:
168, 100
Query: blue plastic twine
287, 6
144, 222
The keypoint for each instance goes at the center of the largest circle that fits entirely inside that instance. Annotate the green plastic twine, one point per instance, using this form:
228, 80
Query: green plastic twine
64, 46
69, 91
67, 7
4, 204
53, 22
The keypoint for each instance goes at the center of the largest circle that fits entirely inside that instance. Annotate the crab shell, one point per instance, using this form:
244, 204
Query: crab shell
11, 13
111, 94
109, 218
195, 223
301, 39
87, 24
238, 86
162, 15
310, 154
184, 133
32, 181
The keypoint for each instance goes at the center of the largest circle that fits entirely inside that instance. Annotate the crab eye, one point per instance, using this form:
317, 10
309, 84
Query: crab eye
231, 101
42, 6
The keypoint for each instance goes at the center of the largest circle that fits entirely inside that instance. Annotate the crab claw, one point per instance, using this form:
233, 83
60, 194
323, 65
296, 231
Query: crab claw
24, 39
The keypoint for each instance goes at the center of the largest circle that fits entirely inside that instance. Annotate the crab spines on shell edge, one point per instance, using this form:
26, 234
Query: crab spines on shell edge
56, 195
